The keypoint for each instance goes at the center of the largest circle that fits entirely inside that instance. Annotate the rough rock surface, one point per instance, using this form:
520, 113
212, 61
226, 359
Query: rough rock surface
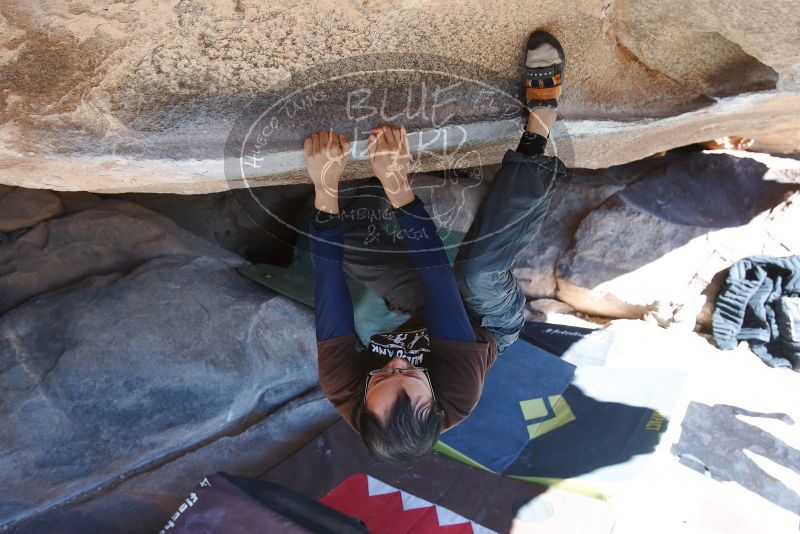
557, 312
143, 502
114, 236
233, 220
574, 198
707, 190
142, 96
546, 306
23, 207
785, 141
126, 346
136, 369
664, 240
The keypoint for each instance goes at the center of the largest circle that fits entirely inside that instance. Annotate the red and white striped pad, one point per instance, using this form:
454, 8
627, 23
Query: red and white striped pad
388, 510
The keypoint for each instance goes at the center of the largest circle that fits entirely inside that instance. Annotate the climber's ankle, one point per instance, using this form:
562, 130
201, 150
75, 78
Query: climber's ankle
541, 120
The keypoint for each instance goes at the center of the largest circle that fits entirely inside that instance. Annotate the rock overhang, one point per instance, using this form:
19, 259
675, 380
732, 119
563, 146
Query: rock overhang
145, 97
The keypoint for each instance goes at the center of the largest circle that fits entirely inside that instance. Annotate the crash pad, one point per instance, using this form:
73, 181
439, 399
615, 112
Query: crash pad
384, 508
227, 503
336, 468
542, 419
554, 338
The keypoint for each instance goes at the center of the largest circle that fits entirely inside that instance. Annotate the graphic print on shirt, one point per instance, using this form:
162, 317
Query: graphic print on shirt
411, 346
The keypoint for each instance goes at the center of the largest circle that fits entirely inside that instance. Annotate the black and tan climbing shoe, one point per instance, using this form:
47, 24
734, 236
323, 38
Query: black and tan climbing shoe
543, 81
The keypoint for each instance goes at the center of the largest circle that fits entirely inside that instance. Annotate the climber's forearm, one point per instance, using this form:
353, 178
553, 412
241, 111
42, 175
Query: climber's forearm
333, 307
326, 200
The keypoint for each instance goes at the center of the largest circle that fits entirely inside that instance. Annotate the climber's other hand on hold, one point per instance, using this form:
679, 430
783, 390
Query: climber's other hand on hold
326, 155
390, 158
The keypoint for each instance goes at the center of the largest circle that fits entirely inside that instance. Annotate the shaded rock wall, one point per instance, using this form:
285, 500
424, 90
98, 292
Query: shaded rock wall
657, 236
141, 96
111, 237
133, 358
25, 207
144, 502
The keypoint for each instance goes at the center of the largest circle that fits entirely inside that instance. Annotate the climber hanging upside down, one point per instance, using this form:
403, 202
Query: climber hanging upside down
407, 386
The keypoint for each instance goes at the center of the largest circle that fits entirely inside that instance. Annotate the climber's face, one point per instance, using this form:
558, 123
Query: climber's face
385, 384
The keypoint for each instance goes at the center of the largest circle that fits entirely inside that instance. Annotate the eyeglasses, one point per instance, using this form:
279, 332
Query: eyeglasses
411, 371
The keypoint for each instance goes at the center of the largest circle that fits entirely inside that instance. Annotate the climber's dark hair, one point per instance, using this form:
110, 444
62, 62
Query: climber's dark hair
409, 434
